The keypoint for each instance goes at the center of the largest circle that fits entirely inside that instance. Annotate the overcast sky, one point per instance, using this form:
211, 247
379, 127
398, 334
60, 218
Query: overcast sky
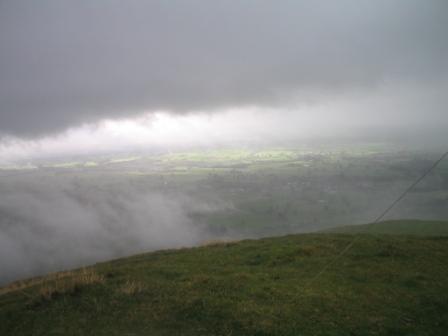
65, 64
90, 77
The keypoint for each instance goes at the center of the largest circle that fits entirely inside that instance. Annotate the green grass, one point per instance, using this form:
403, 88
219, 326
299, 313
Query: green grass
384, 285
404, 227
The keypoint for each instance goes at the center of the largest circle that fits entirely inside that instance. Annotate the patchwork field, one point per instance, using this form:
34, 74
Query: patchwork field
268, 191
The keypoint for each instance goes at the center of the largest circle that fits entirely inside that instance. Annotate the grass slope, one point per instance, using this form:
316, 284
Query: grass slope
384, 285
403, 227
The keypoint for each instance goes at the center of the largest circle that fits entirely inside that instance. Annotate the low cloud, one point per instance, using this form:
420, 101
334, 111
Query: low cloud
358, 116
49, 224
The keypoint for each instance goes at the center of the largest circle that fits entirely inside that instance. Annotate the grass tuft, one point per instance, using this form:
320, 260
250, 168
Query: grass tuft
68, 284
132, 287
218, 242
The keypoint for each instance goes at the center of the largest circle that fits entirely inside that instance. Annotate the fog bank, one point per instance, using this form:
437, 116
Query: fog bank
49, 224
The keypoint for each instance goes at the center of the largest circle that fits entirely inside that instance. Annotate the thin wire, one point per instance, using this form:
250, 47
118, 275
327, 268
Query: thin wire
384, 213
426, 173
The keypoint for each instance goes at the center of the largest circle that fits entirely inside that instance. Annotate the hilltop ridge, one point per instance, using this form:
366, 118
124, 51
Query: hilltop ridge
385, 284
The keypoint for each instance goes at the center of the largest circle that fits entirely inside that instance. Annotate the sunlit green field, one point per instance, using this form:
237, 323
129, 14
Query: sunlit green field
276, 190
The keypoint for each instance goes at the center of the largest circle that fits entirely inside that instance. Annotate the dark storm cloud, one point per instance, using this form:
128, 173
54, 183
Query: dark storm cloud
67, 62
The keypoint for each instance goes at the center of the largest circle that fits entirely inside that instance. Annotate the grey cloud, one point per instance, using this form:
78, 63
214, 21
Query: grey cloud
49, 224
68, 62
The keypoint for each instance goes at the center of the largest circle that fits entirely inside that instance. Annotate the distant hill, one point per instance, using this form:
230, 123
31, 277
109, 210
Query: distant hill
397, 227
383, 285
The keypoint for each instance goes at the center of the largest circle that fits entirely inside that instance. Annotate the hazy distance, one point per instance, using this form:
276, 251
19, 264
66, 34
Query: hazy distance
107, 109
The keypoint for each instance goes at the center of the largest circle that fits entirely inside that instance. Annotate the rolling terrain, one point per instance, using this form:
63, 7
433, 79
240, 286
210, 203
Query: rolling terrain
386, 284
400, 227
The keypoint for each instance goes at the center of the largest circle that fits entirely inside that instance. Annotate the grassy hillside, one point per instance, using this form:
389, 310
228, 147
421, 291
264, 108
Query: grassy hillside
388, 285
403, 227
